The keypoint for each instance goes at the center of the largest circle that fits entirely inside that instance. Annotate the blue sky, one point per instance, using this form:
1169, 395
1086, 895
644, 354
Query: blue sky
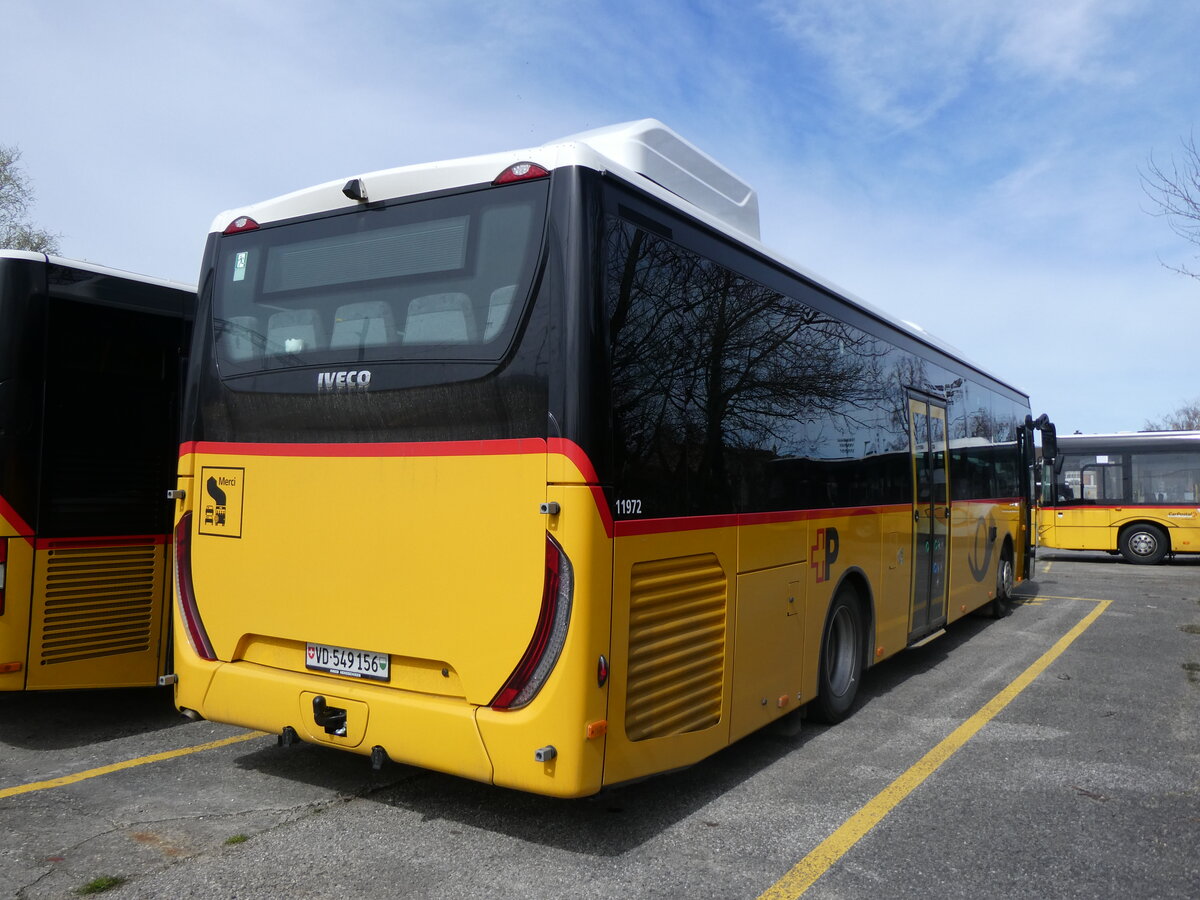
972, 167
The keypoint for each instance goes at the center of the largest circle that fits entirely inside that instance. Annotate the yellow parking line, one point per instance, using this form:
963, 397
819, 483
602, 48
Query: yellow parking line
127, 764
802, 875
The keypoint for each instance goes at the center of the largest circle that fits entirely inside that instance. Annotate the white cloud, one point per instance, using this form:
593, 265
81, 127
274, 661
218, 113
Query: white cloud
1068, 40
903, 62
898, 62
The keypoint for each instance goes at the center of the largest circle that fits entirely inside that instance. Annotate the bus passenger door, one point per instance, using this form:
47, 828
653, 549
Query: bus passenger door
931, 515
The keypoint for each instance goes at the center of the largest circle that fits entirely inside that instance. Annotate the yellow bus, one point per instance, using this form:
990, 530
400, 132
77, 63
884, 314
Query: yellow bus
1133, 494
90, 366
538, 468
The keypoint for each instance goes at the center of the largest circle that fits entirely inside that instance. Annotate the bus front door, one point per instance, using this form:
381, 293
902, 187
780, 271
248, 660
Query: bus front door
931, 516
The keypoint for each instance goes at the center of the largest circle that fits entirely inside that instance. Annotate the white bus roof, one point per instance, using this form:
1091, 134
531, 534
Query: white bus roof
85, 266
646, 153
1125, 438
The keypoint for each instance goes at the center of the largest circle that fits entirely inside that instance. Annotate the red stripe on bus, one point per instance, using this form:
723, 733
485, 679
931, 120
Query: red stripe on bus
579, 458
805, 515
629, 527
576, 455
1132, 507
504, 447
510, 447
14, 520
122, 540
561, 446
602, 508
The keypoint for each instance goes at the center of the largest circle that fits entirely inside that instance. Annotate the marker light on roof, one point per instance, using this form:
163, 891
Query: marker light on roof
521, 171
241, 223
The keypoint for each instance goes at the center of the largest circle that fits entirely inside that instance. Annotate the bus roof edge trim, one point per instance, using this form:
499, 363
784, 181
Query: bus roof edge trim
645, 149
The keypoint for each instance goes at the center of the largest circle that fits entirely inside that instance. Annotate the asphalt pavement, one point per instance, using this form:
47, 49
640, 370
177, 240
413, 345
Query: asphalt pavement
1052, 753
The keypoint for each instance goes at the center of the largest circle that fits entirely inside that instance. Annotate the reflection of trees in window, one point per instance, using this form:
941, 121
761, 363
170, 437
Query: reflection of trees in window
985, 456
980, 423
908, 372
714, 375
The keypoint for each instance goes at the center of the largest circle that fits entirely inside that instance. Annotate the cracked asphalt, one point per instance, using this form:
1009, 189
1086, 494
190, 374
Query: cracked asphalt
1087, 784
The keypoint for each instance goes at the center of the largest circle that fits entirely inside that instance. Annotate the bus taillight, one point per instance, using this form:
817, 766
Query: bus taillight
241, 223
522, 171
3, 571
540, 656
189, 614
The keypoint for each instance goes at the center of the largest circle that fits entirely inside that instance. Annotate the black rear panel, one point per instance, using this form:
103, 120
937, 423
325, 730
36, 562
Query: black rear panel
22, 339
424, 320
111, 413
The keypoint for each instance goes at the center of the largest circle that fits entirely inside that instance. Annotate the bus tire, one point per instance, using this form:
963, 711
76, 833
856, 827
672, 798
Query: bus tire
841, 662
1002, 600
1144, 544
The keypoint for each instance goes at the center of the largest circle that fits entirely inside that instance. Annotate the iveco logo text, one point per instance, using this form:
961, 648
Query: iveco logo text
354, 380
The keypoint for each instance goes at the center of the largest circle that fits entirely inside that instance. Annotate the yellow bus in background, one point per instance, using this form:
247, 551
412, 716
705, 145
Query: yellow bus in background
538, 468
90, 365
1133, 494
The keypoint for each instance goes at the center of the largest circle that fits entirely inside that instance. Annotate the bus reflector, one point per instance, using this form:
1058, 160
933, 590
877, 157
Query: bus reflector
522, 171
9, 667
241, 223
549, 635
185, 594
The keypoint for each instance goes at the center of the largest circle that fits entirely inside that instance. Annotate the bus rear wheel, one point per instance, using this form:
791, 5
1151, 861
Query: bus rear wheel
1002, 600
1144, 545
841, 663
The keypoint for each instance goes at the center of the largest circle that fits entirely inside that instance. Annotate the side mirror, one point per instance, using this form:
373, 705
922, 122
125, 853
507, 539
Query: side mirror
1049, 441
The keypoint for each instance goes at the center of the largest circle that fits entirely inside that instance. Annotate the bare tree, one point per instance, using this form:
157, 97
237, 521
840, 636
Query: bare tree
1186, 418
16, 232
1175, 191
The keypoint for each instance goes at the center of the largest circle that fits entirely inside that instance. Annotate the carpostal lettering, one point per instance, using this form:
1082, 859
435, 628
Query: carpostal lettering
353, 380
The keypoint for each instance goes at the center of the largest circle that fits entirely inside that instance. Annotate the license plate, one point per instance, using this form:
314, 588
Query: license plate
345, 661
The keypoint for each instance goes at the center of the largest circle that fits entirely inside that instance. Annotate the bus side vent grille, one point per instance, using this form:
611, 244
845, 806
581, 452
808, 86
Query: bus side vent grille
99, 602
676, 646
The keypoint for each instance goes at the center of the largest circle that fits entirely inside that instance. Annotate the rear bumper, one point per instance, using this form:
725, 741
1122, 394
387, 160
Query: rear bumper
431, 732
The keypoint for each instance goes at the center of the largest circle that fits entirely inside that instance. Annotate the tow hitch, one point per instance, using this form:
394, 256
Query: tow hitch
331, 718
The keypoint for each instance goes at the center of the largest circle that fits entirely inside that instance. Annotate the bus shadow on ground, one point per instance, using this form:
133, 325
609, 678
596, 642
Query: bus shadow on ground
608, 824
881, 679
58, 720
618, 819
615, 821
1102, 557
